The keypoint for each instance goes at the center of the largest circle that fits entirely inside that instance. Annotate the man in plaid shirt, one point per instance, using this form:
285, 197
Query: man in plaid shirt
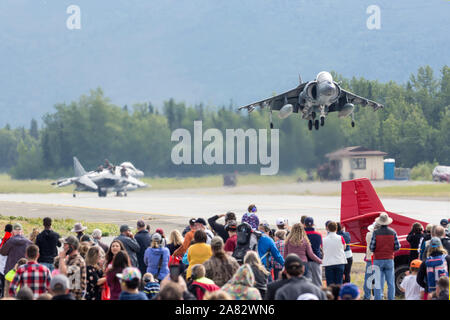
32, 275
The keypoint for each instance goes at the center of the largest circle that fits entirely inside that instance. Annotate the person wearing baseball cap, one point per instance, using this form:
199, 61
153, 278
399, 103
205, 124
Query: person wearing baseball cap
231, 242
59, 288
72, 265
143, 238
436, 265
297, 284
156, 258
15, 247
200, 224
409, 285
130, 244
314, 270
444, 224
130, 279
349, 291
163, 237
281, 223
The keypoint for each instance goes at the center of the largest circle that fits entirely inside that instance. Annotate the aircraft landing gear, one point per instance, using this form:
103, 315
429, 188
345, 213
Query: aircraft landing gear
74, 195
310, 125
322, 121
101, 193
313, 115
353, 124
316, 124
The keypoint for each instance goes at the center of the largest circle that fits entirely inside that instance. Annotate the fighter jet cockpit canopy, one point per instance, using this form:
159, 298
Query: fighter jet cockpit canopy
128, 165
132, 169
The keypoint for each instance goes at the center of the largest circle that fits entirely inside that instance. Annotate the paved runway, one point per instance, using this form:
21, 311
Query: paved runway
177, 206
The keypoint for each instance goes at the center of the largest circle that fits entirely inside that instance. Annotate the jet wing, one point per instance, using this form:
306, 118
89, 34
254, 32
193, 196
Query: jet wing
278, 101
355, 99
84, 180
64, 182
136, 182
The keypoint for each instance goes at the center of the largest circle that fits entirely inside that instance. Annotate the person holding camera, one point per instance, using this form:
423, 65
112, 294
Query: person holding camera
73, 266
129, 242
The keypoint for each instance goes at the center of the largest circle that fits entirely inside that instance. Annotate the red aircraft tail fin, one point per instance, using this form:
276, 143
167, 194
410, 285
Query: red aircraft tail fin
360, 206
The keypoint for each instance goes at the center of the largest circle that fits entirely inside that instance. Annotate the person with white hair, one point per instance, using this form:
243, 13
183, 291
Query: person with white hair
97, 235
368, 260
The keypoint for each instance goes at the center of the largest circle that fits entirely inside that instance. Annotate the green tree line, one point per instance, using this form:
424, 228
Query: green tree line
414, 127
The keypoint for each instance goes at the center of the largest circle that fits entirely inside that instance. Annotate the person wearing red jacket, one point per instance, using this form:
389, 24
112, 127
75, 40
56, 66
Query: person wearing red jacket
199, 284
6, 237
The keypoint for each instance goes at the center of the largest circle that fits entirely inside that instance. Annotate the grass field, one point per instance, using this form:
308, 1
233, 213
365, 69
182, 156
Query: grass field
441, 190
61, 226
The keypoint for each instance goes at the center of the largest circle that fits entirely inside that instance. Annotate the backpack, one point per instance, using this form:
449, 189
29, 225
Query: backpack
247, 239
436, 267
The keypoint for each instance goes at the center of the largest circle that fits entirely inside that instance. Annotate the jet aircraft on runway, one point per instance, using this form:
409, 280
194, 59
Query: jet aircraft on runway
314, 100
119, 179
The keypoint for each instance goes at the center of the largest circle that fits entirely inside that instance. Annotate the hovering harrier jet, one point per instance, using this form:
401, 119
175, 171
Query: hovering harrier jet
119, 179
314, 100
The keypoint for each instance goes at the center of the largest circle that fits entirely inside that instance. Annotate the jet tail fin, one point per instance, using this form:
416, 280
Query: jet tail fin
360, 206
78, 168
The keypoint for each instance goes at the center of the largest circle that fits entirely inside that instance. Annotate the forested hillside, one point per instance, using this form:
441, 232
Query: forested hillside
211, 51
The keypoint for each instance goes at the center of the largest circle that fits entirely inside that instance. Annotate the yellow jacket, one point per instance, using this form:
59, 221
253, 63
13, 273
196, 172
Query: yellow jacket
197, 254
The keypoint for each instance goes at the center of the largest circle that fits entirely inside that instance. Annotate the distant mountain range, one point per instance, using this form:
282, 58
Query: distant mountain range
211, 51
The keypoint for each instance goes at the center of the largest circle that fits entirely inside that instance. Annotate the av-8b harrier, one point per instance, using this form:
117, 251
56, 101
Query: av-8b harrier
119, 179
314, 100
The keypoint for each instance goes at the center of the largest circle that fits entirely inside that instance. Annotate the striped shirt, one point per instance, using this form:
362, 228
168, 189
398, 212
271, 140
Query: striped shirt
32, 275
151, 289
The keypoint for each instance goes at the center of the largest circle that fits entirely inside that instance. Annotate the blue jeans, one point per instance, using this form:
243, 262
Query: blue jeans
368, 287
385, 268
334, 274
50, 266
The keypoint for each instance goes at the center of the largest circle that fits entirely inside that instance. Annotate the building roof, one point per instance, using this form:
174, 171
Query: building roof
354, 151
